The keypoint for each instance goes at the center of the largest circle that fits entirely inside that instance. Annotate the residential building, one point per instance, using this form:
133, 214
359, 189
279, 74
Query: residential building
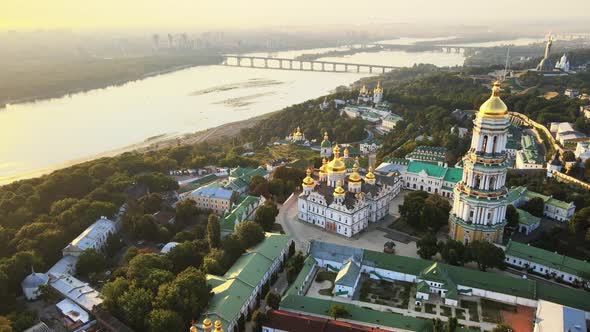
94, 237
72, 288
236, 293
479, 199
449, 282
553, 208
240, 177
529, 157
74, 316
431, 178
547, 263
390, 121
585, 110
430, 154
460, 131
347, 278
327, 204
583, 150
186, 188
243, 211
558, 318
367, 147
39, 327
271, 165
527, 223
213, 198
565, 133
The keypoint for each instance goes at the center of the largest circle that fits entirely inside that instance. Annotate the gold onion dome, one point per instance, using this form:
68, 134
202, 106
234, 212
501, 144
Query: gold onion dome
218, 326
336, 165
298, 132
339, 191
378, 89
308, 180
354, 177
494, 105
370, 175
323, 168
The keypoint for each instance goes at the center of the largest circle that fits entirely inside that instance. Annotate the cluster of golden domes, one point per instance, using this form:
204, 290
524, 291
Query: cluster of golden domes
298, 133
208, 326
494, 106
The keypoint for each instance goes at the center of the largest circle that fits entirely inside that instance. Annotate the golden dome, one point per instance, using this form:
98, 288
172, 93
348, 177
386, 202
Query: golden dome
370, 175
378, 89
336, 165
494, 105
346, 151
323, 168
354, 177
218, 326
193, 329
297, 132
339, 191
308, 180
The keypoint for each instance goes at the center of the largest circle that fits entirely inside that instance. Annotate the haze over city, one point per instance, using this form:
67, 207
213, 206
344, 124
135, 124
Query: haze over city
237, 14
294, 166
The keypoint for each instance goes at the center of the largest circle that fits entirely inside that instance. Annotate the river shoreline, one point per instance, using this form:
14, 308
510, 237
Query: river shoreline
157, 142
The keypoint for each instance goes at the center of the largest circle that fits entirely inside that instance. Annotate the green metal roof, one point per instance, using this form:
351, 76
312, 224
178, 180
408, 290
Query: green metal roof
516, 192
423, 287
308, 265
326, 144
229, 222
547, 258
397, 161
348, 274
430, 169
453, 175
570, 297
198, 183
526, 218
232, 290
321, 307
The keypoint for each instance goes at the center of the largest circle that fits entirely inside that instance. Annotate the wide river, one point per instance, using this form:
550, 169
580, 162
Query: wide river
39, 136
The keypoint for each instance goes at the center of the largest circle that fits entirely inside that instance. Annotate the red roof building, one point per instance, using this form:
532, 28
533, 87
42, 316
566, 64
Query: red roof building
279, 320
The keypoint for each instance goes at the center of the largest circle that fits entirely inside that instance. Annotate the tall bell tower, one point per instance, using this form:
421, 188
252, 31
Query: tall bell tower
479, 205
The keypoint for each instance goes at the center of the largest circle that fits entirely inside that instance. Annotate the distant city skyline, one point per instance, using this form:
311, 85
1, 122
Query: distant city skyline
231, 14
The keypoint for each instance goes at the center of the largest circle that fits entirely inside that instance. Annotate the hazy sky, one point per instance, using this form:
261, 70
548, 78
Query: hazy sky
98, 14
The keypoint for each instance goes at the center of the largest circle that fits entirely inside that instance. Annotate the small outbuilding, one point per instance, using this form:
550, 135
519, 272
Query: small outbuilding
31, 284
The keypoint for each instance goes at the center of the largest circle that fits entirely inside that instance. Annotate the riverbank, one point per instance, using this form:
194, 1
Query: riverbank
38, 81
150, 144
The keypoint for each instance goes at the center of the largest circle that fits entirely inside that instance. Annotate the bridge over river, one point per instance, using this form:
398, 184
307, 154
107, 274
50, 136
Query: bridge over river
302, 65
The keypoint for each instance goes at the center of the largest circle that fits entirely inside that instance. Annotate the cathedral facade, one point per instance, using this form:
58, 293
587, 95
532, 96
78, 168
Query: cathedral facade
480, 198
345, 204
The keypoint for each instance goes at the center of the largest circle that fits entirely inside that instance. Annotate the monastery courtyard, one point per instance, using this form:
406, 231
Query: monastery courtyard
373, 238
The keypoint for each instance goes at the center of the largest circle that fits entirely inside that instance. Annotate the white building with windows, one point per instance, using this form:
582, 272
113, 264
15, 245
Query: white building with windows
345, 204
583, 150
94, 237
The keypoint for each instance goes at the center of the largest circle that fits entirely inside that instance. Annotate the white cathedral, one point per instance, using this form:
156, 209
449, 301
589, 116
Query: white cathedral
345, 204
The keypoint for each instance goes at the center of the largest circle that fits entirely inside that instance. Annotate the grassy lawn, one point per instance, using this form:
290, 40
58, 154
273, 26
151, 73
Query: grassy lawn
446, 311
472, 307
326, 276
460, 313
429, 307
491, 310
401, 225
395, 294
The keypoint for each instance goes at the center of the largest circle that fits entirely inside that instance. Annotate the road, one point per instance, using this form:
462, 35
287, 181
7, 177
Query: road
302, 232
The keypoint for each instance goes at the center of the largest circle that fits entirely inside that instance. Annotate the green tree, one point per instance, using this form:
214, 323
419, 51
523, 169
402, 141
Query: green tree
568, 156
130, 253
454, 252
142, 265
111, 293
485, 254
5, 324
266, 215
213, 262
272, 299
511, 215
427, 246
213, 232
411, 209
452, 324
338, 311
187, 294
186, 212
90, 261
184, 255
534, 206
291, 249
151, 203
134, 304
258, 317
164, 320
249, 233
